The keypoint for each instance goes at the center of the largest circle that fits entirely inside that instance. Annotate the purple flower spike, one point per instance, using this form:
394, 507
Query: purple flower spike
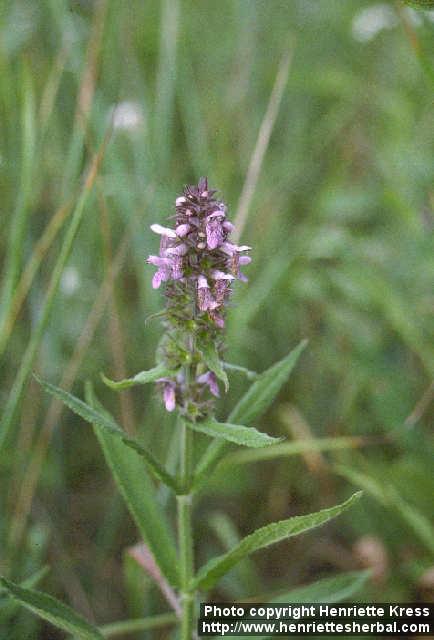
198, 264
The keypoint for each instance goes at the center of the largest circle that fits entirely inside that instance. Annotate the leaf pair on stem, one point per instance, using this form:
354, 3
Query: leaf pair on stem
129, 462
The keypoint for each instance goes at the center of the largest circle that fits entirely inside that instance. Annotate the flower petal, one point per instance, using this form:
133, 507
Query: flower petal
163, 231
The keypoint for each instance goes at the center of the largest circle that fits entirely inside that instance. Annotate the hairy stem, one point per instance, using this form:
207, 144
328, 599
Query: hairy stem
185, 534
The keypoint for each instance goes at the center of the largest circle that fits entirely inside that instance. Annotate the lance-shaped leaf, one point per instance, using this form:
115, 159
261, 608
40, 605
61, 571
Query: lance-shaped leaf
250, 375
107, 422
246, 436
144, 377
8, 606
255, 401
214, 363
32, 580
209, 574
52, 610
284, 449
263, 391
138, 492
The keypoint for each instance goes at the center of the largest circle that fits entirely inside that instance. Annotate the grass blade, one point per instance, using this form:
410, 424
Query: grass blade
28, 358
52, 610
209, 574
21, 213
262, 143
421, 526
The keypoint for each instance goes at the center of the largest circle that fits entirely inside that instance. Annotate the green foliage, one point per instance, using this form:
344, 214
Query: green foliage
139, 495
52, 610
212, 359
284, 449
389, 497
420, 4
246, 436
9, 607
108, 424
144, 377
209, 574
251, 405
264, 390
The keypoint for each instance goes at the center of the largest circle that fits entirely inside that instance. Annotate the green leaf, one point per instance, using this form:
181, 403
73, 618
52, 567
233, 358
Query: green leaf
138, 492
246, 436
214, 363
209, 574
160, 371
52, 610
250, 375
107, 422
294, 448
9, 606
263, 391
258, 398
32, 580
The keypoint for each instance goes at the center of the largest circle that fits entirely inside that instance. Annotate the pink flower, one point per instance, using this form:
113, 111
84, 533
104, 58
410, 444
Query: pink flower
205, 300
182, 230
215, 233
210, 380
169, 393
163, 231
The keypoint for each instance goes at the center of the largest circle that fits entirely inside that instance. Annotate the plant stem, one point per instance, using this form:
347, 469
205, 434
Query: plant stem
185, 534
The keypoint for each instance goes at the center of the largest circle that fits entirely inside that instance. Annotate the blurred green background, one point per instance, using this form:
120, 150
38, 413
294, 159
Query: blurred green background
314, 119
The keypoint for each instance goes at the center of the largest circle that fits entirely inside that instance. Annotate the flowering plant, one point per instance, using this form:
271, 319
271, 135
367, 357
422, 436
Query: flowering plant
197, 265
